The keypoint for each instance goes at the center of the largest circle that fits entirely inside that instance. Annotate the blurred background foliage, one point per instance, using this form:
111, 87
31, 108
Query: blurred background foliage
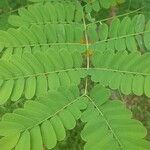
8, 7
140, 106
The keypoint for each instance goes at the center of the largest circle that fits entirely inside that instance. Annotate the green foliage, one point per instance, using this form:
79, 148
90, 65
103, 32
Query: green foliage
47, 61
112, 69
35, 74
47, 122
7, 7
140, 107
127, 34
55, 12
97, 5
110, 122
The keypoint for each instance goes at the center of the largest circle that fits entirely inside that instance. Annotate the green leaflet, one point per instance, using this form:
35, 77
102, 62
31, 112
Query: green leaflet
59, 128
66, 115
105, 4
93, 37
48, 134
19, 120
64, 79
42, 86
53, 81
104, 94
5, 91
36, 139
137, 84
33, 62
18, 89
9, 142
146, 86
146, 36
24, 142
103, 31
96, 6
30, 87
13, 128
114, 28
68, 61
126, 82
140, 23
